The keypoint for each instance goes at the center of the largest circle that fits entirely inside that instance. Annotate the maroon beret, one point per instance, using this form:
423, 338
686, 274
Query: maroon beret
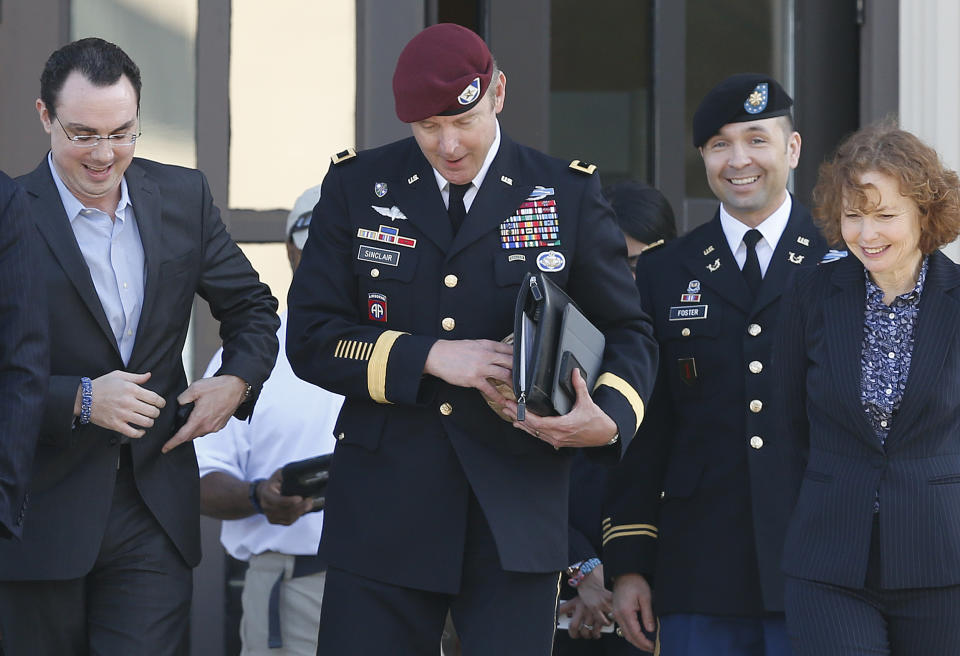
444, 70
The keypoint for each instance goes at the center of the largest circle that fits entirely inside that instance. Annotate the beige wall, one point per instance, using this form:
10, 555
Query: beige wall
292, 96
160, 37
930, 78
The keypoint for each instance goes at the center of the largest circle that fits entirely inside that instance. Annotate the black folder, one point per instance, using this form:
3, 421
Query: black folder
552, 337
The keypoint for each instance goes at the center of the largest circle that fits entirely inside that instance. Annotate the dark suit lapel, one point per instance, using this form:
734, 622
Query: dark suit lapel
843, 325
417, 195
498, 198
710, 261
145, 198
937, 323
798, 246
53, 224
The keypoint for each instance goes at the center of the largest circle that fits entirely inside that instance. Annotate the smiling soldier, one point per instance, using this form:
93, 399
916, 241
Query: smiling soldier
714, 298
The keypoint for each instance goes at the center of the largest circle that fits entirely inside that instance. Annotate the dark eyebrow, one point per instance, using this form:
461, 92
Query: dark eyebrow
80, 127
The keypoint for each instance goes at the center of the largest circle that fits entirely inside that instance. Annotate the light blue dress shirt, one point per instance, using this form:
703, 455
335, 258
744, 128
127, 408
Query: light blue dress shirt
114, 255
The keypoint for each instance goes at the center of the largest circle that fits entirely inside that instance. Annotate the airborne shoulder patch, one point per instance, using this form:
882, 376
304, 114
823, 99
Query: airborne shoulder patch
343, 156
580, 167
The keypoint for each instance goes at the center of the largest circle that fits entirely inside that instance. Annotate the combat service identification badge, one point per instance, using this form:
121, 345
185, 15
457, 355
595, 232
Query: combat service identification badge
376, 306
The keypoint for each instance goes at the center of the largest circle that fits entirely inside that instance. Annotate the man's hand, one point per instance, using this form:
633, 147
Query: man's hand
585, 425
214, 400
631, 594
278, 508
121, 404
470, 362
581, 625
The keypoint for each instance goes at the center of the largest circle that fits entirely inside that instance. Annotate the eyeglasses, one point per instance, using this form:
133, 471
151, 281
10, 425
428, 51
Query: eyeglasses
93, 140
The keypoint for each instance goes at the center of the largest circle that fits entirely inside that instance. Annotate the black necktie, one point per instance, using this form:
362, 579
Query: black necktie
456, 209
751, 268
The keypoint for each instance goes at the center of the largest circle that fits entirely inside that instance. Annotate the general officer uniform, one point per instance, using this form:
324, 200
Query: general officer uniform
434, 502
714, 539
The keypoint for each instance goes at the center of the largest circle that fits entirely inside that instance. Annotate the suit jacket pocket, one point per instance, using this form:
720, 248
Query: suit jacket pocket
360, 423
948, 479
820, 477
176, 265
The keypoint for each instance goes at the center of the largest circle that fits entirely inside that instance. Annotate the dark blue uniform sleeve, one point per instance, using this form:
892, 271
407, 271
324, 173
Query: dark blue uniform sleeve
633, 490
24, 354
614, 306
326, 343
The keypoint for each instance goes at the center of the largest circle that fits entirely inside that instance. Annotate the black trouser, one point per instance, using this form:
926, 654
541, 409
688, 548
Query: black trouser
135, 600
496, 613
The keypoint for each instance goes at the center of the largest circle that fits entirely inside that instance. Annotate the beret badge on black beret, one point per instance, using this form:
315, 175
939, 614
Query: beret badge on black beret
756, 102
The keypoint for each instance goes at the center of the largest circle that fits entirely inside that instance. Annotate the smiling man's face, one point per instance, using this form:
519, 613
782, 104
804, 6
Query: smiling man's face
748, 164
92, 174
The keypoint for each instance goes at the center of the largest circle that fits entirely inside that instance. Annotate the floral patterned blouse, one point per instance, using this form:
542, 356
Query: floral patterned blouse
887, 350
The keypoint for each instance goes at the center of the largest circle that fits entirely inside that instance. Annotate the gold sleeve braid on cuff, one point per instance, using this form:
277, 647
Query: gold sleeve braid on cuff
377, 366
611, 532
630, 394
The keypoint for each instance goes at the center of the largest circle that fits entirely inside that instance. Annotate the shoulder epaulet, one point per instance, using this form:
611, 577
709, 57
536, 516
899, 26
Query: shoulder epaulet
650, 247
344, 156
579, 166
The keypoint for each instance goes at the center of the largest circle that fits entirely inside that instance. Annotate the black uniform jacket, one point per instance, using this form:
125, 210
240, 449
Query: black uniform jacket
373, 294
708, 443
187, 251
24, 354
916, 471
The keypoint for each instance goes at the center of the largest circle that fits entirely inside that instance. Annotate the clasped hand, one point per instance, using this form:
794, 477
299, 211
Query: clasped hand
122, 404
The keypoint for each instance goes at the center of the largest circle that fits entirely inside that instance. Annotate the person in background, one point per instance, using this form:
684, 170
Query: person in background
105, 561
644, 215
646, 220
24, 355
868, 372
240, 469
702, 500
408, 283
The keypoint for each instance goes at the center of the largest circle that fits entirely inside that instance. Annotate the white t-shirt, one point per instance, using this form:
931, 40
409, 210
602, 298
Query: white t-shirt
292, 420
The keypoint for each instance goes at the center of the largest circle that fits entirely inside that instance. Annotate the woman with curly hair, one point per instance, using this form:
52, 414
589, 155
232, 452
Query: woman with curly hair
868, 364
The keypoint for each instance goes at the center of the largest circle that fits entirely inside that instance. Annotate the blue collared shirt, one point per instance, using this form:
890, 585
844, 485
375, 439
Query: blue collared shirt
114, 255
887, 350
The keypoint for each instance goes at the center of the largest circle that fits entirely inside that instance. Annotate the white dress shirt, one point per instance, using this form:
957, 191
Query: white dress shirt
771, 228
293, 420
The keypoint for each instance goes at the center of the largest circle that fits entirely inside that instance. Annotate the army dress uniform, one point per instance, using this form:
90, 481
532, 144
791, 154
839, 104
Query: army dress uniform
713, 541
383, 277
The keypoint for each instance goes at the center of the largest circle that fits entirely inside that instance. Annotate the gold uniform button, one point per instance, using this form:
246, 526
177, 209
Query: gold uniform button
685, 332
448, 324
662, 494
450, 280
755, 367
756, 442
374, 273
341, 436
756, 405
754, 329
446, 409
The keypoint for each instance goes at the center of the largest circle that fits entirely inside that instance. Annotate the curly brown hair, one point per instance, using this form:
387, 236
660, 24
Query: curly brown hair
884, 148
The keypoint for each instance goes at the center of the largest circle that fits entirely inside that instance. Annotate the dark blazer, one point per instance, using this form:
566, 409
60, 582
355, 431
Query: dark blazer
410, 445
24, 354
917, 472
709, 442
187, 251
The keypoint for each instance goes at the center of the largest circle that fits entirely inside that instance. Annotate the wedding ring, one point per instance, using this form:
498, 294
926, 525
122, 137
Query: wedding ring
588, 627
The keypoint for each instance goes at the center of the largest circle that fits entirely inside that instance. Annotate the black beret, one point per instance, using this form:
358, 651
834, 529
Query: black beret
444, 70
739, 98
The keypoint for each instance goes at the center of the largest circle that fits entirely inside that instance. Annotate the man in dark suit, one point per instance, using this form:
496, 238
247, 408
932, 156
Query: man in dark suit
24, 355
409, 280
104, 564
706, 457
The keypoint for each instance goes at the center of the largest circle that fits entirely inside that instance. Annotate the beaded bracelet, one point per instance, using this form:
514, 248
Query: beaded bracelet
86, 399
582, 570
